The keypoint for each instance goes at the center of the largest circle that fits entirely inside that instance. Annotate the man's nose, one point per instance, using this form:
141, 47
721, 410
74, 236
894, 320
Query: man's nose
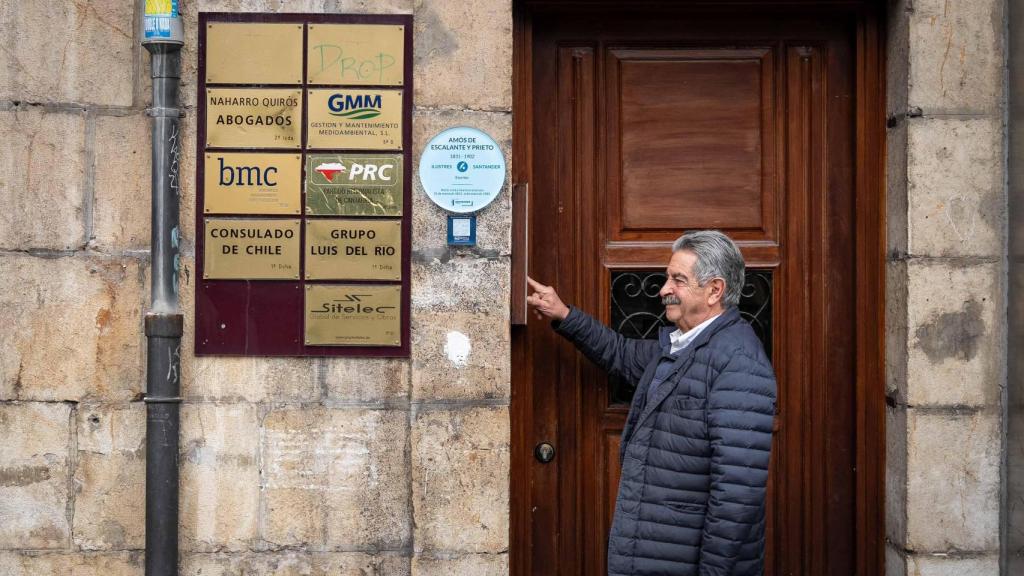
665, 291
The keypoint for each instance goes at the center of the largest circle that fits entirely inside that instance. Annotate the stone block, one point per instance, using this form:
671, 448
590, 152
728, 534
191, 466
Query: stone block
942, 565
460, 480
336, 479
466, 284
73, 328
955, 327
429, 222
295, 563
897, 60
220, 482
121, 213
953, 481
367, 379
460, 355
247, 379
896, 476
66, 564
34, 475
42, 177
110, 477
68, 51
896, 351
955, 187
956, 55
897, 234
463, 54
475, 564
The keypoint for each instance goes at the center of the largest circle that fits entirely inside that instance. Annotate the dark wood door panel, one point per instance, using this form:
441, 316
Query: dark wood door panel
687, 132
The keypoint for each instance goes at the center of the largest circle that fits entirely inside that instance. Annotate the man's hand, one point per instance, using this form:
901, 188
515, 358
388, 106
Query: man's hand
545, 301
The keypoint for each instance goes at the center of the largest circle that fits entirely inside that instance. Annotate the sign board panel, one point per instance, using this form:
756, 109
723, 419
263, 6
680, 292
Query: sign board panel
247, 53
303, 184
253, 118
353, 249
462, 169
248, 249
354, 119
356, 54
352, 315
354, 184
244, 183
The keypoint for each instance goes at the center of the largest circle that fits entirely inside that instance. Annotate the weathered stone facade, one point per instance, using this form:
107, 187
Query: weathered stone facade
946, 286
367, 466
288, 466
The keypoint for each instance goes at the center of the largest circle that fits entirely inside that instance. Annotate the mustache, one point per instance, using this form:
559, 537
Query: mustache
669, 300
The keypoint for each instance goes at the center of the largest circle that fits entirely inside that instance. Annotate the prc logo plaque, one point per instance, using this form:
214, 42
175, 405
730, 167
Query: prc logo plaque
356, 54
354, 184
355, 118
242, 183
253, 118
245, 53
247, 249
352, 315
353, 249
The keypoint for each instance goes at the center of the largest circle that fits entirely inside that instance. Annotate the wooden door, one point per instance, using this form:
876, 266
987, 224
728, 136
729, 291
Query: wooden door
643, 125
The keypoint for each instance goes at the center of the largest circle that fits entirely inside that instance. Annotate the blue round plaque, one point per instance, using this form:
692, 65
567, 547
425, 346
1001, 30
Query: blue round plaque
462, 169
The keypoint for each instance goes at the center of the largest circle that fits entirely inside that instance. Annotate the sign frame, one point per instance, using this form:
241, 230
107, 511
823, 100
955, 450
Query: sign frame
253, 317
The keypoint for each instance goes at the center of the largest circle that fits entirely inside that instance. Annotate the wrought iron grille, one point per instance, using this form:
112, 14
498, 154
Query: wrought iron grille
636, 312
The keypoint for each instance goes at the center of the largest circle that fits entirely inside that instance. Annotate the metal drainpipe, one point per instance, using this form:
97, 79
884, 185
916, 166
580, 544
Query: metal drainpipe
163, 38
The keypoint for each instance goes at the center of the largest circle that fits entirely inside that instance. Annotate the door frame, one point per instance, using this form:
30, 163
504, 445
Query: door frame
870, 242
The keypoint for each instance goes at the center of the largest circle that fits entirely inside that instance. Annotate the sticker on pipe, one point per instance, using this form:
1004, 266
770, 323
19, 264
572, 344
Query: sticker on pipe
462, 169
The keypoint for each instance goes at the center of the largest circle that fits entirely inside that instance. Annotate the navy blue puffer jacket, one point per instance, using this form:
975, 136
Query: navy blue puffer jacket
694, 455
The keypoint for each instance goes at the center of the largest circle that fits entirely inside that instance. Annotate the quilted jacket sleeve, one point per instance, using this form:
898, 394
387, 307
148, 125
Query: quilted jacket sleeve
741, 407
616, 354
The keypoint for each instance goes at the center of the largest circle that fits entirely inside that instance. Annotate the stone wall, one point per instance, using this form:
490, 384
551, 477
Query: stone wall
288, 466
946, 305
355, 466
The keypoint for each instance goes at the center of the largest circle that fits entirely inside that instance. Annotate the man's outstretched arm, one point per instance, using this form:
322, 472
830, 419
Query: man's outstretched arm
616, 354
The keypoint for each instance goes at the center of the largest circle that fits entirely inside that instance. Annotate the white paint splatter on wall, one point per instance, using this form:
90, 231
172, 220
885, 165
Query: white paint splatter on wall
458, 348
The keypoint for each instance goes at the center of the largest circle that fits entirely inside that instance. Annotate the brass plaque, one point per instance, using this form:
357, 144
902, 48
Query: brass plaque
353, 249
353, 315
354, 184
253, 53
251, 249
355, 118
240, 183
253, 118
356, 54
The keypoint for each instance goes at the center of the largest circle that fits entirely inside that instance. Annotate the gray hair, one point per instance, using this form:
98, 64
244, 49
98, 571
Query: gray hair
717, 257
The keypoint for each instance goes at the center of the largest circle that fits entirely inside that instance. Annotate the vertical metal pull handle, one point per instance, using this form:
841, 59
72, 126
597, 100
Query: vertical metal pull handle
520, 253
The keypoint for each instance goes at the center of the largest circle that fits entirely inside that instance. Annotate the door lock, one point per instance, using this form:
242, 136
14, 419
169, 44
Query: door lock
544, 452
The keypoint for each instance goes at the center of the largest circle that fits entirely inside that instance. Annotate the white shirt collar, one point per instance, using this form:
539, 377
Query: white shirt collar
681, 340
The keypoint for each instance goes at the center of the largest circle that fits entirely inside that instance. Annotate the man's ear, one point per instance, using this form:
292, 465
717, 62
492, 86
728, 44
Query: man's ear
716, 291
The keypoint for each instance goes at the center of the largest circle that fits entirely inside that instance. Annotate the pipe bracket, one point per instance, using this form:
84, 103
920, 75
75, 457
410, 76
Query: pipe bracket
162, 400
163, 112
165, 325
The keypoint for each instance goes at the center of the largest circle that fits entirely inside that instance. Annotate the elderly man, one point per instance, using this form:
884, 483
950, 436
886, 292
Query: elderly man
696, 443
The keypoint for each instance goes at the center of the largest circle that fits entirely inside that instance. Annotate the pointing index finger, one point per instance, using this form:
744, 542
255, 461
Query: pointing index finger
535, 285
